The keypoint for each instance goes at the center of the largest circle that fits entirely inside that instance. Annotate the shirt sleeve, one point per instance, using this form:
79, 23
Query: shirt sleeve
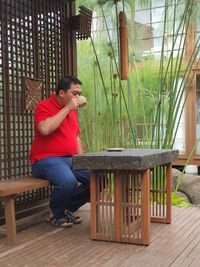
41, 114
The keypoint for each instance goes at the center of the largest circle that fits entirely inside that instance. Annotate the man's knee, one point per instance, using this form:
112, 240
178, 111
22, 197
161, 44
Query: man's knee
68, 185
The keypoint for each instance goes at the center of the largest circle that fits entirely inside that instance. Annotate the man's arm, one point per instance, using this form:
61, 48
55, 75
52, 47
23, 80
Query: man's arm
79, 147
52, 123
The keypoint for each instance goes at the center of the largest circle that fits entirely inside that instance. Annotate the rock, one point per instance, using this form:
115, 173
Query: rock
189, 185
175, 175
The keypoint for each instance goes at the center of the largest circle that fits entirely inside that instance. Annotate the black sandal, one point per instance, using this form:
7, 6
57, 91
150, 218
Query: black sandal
72, 218
63, 222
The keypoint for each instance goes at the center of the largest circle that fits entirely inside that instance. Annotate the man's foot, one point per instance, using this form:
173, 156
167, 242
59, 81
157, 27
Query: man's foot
63, 222
72, 218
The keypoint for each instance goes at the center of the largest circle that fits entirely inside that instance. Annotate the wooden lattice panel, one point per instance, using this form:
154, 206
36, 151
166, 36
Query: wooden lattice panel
160, 193
35, 41
123, 188
105, 227
82, 23
131, 207
123, 203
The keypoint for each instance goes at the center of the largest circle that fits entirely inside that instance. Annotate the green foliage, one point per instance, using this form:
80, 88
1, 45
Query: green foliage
145, 110
179, 201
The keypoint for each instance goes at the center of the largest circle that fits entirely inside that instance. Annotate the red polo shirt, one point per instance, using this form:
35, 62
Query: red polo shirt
61, 142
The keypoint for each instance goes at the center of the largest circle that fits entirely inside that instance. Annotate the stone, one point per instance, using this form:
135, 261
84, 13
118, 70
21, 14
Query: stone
127, 159
175, 175
189, 185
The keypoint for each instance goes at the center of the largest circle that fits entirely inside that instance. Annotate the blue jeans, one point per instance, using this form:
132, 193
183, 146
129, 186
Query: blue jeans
67, 194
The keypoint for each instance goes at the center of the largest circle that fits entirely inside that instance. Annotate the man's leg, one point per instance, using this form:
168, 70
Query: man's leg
81, 194
59, 174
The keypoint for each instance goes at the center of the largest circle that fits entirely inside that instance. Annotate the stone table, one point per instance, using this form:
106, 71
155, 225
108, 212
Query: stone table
129, 189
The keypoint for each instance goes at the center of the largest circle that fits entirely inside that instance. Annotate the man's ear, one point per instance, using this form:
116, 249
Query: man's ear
61, 93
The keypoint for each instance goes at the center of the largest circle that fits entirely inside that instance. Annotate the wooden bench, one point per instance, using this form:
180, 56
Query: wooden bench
9, 189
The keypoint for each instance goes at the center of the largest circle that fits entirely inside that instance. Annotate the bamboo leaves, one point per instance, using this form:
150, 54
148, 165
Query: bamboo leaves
146, 110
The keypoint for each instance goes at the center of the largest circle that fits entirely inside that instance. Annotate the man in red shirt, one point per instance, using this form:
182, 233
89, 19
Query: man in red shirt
56, 141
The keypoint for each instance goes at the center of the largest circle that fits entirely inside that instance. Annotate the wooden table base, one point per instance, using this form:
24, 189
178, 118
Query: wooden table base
124, 202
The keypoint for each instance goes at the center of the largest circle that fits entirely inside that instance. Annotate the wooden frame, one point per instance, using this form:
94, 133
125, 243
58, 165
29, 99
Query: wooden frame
134, 196
190, 105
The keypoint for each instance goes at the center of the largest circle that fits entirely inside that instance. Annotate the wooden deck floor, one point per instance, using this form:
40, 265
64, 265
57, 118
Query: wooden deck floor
42, 245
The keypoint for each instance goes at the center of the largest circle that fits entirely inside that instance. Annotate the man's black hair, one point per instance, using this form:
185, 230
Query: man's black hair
65, 83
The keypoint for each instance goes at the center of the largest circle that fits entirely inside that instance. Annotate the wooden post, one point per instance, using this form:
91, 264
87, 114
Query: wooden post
168, 193
10, 220
93, 193
123, 33
190, 88
118, 205
145, 207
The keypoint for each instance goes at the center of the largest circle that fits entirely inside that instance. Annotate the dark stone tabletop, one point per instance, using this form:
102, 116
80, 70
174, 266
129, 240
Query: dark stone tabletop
126, 159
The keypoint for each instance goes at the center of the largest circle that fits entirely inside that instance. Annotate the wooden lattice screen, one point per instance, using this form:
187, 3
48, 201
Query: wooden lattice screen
36, 42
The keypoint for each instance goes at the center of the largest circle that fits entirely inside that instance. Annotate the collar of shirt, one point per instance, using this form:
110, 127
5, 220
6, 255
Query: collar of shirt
55, 101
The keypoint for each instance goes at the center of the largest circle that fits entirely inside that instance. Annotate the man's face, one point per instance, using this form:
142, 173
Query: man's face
74, 91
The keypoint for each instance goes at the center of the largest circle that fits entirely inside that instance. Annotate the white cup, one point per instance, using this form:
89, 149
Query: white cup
82, 101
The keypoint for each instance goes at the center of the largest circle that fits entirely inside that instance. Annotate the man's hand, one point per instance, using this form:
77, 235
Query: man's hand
74, 103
